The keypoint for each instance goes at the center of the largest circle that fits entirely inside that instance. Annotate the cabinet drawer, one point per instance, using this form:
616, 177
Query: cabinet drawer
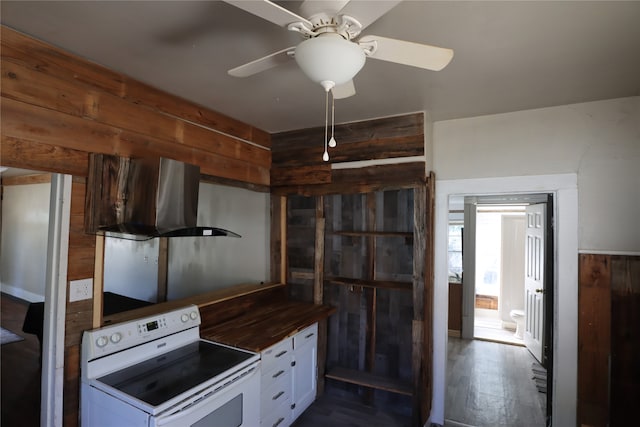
279, 368
275, 353
280, 417
309, 334
276, 394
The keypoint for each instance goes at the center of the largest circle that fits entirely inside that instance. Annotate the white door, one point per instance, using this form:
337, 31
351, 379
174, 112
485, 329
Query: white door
534, 278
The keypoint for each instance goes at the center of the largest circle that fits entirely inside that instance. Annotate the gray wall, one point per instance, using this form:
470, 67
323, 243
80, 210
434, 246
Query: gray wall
23, 251
198, 264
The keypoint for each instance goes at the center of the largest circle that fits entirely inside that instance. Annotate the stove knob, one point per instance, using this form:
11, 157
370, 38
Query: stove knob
115, 338
184, 317
102, 341
194, 315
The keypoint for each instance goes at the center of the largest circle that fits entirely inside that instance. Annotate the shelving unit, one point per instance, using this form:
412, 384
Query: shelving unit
363, 262
365, 253
367, 379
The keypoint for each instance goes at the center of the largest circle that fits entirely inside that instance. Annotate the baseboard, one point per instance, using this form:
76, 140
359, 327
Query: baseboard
453, 333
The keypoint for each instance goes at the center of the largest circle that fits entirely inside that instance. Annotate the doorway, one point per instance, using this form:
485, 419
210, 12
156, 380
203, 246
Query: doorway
499, 277
49, 349
565, 190
495, 263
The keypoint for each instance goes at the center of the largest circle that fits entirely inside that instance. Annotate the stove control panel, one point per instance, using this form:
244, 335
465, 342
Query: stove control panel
110, 339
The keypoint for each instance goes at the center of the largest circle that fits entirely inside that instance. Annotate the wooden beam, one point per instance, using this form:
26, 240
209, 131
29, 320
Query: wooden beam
366, 283
40, 178
318, 293
283, 239
367, 379
362, 180
318, 267
163, 268
98, 282
427, 355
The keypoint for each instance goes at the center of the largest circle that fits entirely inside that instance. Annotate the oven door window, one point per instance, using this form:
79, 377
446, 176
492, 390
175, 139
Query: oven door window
228, 415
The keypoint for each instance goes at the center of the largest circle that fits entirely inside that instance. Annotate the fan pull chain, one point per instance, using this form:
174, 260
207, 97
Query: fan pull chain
332, 141
325, 155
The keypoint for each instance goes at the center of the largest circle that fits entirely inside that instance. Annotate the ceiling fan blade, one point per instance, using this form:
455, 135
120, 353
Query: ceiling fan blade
254, 67
344, 90
367, 12
408, 53
269, 11
309, 8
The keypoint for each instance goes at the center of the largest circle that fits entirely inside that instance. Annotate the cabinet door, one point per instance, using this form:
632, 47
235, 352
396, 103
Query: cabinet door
304, 372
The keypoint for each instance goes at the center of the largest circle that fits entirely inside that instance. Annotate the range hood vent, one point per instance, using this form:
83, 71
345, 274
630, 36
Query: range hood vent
139, 199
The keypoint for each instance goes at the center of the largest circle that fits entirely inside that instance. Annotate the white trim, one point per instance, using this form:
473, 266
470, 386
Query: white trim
51, 413
565, 189
376, 162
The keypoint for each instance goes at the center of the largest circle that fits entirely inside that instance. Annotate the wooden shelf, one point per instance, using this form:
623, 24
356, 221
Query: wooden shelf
372, 233
385, 284
367, 379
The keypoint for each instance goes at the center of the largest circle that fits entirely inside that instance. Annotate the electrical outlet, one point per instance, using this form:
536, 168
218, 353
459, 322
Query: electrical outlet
80, 290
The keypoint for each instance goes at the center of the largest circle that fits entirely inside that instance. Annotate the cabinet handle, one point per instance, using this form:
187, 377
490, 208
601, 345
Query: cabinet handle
277, 423
277, 396
282, 353
310, 335
277, 374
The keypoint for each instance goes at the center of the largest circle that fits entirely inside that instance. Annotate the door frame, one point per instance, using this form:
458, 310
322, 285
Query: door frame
565, 334
51, 406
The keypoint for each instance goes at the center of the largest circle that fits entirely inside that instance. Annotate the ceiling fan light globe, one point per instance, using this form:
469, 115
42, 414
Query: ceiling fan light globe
331, 58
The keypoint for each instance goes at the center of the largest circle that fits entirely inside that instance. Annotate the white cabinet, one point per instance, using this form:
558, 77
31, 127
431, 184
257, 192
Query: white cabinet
304, 372
275, 387
289, 375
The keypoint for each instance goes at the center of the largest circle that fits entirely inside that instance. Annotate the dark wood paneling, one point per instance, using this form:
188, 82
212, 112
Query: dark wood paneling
297, 156
367, 130
79, 314
594, 329
625, 339
371, 336
362, 180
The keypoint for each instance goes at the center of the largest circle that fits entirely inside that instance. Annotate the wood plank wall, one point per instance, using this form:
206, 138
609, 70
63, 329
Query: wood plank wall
300, 178
297, 166
608, 339
56, 108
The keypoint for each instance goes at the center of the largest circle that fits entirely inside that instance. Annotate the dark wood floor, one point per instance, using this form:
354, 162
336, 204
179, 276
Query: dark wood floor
490, 384
20, 369
335, 409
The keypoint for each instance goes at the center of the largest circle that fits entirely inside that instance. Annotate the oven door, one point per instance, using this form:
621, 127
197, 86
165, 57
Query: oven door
233, 404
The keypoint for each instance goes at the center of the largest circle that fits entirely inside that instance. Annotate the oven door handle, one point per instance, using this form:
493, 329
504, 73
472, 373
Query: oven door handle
198, 403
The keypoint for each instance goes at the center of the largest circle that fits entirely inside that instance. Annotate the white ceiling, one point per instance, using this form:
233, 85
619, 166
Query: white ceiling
509, 56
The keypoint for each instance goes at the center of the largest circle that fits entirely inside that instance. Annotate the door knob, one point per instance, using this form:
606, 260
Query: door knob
539, 291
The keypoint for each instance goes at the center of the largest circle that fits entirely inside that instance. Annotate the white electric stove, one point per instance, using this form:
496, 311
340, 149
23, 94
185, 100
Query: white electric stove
157, 371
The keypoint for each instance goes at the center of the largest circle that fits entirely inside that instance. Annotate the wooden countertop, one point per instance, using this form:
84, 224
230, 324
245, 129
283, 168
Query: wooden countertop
261, 327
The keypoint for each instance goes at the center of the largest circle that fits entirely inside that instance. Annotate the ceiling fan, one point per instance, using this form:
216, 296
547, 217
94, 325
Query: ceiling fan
333, 51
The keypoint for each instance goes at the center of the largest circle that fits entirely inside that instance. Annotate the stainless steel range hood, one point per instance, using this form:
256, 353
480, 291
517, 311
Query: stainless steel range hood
139, 199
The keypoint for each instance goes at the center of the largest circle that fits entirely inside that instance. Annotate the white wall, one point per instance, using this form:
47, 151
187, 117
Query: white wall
23, 251
198, 265
600, 141
131, 268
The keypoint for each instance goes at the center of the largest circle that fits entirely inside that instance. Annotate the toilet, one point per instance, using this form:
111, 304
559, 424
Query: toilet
518, 317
